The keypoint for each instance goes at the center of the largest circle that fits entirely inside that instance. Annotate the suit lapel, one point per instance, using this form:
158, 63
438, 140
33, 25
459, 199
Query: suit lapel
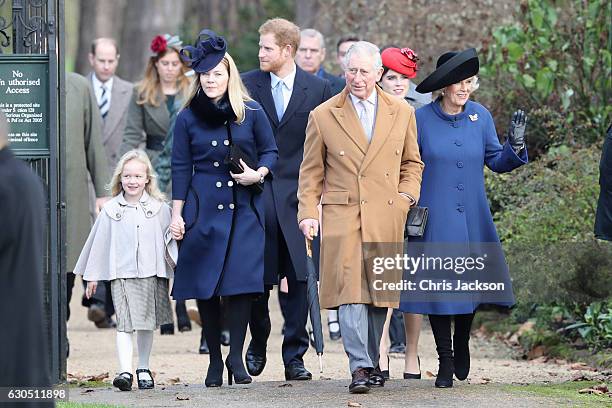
115, 112
160, 114
345, 114
264, 93
298, 95
386, 114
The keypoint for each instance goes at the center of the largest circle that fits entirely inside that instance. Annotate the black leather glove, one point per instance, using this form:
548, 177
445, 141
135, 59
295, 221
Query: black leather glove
516, 130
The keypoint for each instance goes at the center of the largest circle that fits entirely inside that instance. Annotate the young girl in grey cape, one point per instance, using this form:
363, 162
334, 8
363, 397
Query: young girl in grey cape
126, 247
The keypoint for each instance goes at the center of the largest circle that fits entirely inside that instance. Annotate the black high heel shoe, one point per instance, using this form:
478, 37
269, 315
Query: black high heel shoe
145, 384
241, 378
214, 376
411, 376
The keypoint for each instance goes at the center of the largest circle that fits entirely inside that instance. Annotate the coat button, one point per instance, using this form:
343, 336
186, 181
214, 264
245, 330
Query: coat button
397, 152
149, 213
144, 204
230, 183
118, 215
361, 176
214, 143
220, 207
231, 206
226, 142
216, 164
390, 202
460, 164
461, 209
341, 152
363, 202
460, 187
218, 184
455, 125
458, 142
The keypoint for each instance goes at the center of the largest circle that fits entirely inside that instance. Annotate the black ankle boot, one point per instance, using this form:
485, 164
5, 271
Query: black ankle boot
445, 373
182, 319
441, 328
238, 315
211, 329
461, 345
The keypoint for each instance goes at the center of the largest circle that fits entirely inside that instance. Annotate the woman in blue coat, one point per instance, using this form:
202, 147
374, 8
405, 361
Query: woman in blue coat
457, 138
220, 221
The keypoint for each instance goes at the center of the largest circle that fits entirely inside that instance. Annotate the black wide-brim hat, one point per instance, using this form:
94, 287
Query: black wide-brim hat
208, 52
451, 67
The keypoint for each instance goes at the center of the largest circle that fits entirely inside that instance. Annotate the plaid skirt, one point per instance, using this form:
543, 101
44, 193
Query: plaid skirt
141, 303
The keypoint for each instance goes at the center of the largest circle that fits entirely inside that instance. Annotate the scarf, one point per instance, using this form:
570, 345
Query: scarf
214, 114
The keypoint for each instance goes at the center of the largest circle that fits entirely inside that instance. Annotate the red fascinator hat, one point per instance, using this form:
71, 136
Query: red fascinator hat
402, 60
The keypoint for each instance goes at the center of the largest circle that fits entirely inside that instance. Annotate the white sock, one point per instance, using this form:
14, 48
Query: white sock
124, 351
144, 339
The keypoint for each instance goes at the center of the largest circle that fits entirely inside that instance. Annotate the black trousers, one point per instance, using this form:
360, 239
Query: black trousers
294, 307
102, 296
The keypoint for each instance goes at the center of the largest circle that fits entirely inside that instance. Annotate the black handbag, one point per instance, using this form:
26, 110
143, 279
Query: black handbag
232, 160
416, 222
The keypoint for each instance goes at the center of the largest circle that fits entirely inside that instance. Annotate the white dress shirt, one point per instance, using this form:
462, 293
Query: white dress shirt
288, 82
97, 87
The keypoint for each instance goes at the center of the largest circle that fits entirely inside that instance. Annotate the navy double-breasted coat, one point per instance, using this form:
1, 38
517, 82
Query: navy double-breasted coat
455, 149
222, 252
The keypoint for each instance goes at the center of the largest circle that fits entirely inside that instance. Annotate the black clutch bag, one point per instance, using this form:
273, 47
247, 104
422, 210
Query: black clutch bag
415, 222
232, 160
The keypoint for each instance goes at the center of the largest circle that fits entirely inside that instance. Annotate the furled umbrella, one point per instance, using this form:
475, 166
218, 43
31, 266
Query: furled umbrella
313, 303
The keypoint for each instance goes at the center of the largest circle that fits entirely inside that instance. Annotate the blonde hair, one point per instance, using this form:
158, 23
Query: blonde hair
151, 187
236, 91
285, 33
150, 90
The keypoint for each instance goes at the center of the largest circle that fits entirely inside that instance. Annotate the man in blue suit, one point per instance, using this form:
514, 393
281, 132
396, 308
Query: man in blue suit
287, 94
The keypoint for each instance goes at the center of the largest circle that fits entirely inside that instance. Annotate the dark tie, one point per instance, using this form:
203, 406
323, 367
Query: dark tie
104, 105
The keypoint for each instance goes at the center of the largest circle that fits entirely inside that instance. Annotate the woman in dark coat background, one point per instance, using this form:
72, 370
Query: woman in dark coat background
220, 221
457, 138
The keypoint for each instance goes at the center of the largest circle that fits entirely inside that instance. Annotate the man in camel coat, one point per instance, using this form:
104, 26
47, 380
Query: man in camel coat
362, 162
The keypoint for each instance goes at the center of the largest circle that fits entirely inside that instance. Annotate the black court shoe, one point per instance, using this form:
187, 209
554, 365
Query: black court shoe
240, 377
124, 381
411, 376
144, 384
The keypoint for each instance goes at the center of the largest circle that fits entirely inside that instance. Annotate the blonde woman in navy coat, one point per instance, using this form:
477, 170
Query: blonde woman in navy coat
220, 222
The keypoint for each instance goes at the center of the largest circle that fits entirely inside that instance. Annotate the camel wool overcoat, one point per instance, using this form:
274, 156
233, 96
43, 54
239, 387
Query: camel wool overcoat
358, 185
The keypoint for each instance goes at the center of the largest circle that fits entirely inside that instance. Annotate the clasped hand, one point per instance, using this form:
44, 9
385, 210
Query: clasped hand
247, 177
177, 227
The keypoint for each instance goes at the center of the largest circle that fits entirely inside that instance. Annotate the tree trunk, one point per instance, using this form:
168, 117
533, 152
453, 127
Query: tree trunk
144, 19
306, 12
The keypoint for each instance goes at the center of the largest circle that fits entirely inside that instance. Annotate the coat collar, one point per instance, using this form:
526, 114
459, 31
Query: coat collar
386, 113
116, 207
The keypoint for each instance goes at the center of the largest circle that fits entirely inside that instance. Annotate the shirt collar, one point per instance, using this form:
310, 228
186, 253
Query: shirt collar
288, 80
371, 99
98, 84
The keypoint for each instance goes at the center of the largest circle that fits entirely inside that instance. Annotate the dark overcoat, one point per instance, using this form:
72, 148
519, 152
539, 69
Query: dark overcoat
336, 83
24, 341
222, 252
280, 196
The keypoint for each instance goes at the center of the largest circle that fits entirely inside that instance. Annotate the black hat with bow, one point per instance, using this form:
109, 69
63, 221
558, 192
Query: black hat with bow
451, 67
208, 52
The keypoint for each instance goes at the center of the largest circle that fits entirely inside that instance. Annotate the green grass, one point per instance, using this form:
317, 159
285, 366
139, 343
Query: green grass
89, 384
86, 405
567, 391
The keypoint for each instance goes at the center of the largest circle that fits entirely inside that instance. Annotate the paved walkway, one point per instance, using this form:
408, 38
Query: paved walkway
180, 371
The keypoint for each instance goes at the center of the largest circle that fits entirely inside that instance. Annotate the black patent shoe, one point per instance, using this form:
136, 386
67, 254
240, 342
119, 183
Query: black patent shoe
145, 384
377, 379
166, 329
255, 362
297, 372
361, 381
445, 373
124, 381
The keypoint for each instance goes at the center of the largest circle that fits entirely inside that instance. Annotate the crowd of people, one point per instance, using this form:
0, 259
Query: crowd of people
218, 177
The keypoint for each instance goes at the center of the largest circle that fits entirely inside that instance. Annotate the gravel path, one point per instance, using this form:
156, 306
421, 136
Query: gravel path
179, 369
